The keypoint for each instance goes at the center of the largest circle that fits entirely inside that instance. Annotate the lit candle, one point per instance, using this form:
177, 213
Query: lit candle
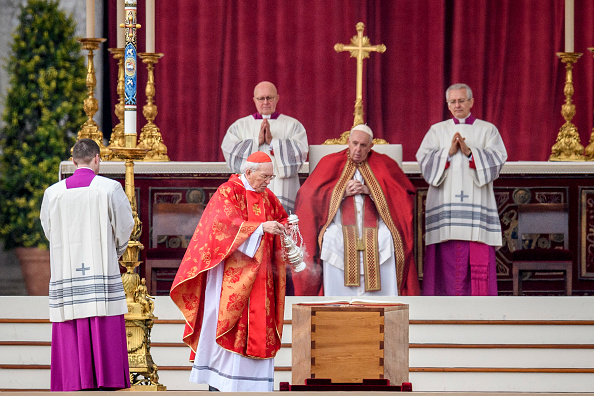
121, 17
90, 18
569, 25
150, 26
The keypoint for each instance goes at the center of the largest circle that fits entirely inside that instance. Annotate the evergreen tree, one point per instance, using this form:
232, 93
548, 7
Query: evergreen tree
43, 112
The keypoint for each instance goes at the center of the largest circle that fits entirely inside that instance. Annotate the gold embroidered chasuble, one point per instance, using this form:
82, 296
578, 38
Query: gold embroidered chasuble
251, 309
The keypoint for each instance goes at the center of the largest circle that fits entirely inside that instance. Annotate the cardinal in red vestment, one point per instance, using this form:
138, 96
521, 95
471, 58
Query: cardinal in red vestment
353, 204
233, 272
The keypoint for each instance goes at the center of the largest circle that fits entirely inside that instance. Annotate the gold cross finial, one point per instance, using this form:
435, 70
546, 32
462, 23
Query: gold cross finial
359, 48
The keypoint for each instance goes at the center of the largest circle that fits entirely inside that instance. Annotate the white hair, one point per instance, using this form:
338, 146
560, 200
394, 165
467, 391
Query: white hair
253, 166
459, 86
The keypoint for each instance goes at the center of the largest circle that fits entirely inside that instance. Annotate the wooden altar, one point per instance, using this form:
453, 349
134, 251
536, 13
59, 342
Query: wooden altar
172, 195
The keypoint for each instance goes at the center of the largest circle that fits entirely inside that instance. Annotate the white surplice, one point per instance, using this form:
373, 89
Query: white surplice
460, 202
88, 229
289, 145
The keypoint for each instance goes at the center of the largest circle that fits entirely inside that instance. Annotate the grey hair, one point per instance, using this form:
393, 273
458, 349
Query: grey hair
459, 86
253, 166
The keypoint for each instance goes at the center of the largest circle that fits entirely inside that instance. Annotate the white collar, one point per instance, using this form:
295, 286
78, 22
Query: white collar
245, 182
463, 120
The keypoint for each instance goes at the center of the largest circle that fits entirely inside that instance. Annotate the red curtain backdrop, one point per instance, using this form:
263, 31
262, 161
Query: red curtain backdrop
215, 52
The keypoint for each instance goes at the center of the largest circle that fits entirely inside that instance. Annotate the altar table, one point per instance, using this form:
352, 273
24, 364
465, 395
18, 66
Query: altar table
172, 195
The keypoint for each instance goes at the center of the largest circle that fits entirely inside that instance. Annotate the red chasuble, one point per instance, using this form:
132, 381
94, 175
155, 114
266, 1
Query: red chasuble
252, 306
320, 196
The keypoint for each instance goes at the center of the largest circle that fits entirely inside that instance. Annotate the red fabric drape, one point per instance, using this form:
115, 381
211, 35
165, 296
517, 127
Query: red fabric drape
216, 52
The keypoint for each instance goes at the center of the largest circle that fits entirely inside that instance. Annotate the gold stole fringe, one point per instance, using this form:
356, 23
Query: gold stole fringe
380, 203
367, 244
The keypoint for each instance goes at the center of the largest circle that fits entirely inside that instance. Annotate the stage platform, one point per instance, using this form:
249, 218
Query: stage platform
189, 393
457, 345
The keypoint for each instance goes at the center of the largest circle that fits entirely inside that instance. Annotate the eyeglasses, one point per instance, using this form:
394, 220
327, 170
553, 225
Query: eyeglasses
267, 177
459, 101
268, 98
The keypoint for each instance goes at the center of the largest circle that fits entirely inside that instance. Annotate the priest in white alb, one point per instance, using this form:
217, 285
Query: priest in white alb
279, 135
459, 159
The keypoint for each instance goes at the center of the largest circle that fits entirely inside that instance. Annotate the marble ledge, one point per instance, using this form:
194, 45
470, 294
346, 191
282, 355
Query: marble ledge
409, 167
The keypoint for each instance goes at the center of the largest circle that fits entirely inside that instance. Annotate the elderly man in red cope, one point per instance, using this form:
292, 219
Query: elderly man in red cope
355, 213
231, 284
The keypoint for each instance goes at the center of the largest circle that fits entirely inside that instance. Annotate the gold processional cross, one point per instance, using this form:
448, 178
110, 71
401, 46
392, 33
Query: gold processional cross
359, 47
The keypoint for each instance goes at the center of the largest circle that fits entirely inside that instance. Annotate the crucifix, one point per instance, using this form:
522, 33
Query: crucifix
359, 47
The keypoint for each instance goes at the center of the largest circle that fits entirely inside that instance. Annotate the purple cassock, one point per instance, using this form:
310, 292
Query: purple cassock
466, 269
89, 353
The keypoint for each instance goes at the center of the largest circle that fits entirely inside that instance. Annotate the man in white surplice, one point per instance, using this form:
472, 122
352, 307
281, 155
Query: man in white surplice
460, 158
88, 220
281, 136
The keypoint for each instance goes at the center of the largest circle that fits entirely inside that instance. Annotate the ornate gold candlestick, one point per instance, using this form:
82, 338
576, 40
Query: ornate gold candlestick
589, 150
150, 137
140, 318
567, 146
117, 133
90, 129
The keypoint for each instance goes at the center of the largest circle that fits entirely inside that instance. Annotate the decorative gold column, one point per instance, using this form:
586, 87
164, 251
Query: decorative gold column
90, 129
359, 47
567, 146
140, 318
117, 133
589, 150
150, 137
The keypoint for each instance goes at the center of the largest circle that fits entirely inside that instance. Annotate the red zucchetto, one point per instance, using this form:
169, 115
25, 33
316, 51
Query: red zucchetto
259, 157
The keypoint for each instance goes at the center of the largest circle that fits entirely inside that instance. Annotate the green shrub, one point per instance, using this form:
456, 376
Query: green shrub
43, 112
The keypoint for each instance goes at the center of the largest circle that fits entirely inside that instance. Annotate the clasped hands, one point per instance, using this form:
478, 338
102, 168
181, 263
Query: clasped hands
265, 135
355, 187
458, 143
273, 227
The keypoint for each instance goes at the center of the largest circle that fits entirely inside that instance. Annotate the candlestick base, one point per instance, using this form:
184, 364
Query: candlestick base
589, 150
